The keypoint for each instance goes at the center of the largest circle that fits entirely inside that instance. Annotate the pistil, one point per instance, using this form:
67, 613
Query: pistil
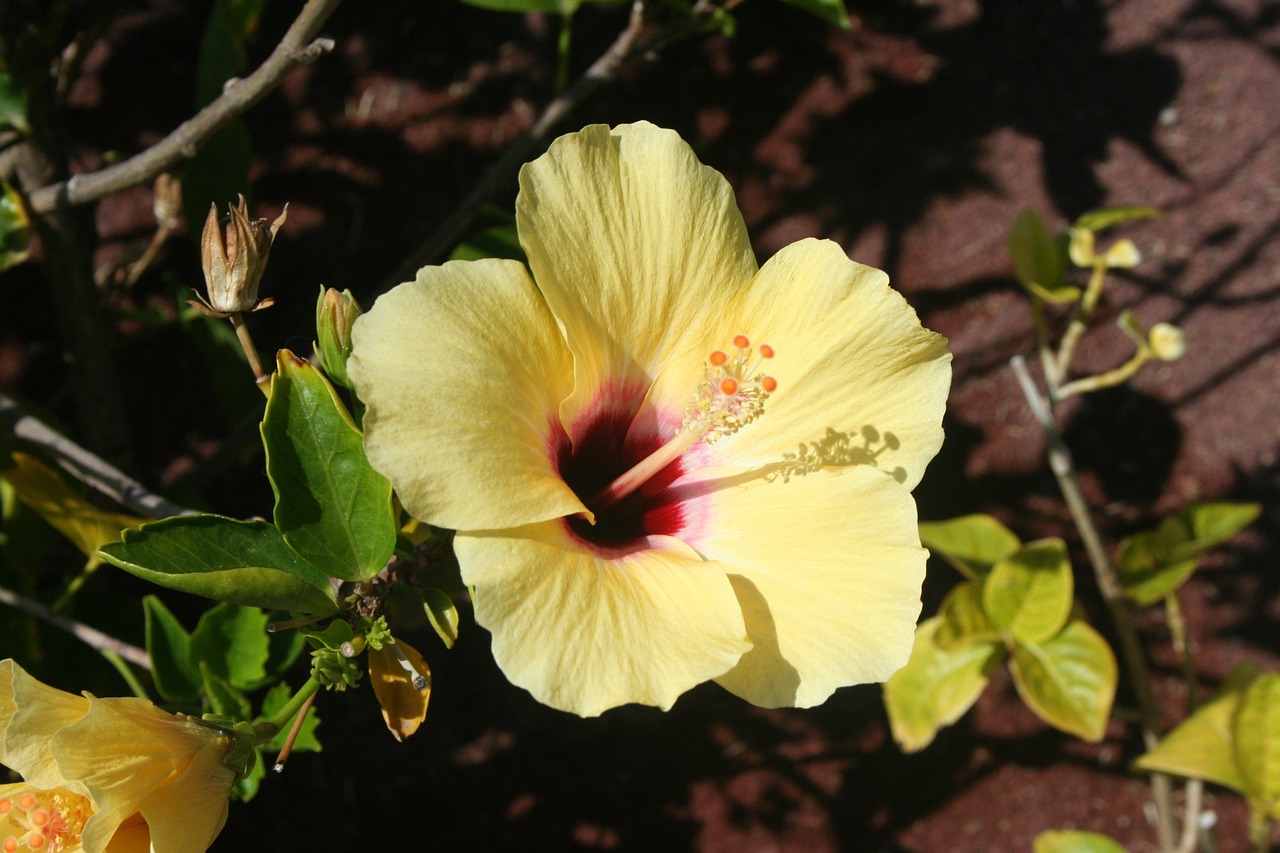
730, 396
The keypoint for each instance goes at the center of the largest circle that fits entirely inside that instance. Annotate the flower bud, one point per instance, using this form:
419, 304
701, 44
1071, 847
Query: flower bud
167, 201
234, 255
1167, 342
335, 314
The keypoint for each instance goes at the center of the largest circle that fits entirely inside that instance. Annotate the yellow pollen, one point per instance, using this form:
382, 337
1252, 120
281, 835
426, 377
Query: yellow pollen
730, 396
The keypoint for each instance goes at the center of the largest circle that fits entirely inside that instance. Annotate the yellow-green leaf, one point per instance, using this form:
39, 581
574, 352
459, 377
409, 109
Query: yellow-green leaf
963, 619
45, 491
15, 228
1100, 220
1074, 841
1029, 593
1211, 524
1039, 259
1256, 729
1203, 746
971, 543
1069, 681
443, 615
936, 686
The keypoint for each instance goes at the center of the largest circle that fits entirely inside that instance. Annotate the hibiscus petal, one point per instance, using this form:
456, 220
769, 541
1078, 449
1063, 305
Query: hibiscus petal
860, 381
827, 567
463, 371
126, 751
30, 714
584, 632
634, 243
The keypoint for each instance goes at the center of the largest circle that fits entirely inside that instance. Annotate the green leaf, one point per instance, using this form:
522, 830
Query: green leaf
1074, 841
936, 686
1144, 565
1029, 593
1256, 729
231, 642
443, 615
499, 241
1155, 563
1203, 746
283, 649
243, 562
831, 11
223, 699
963, 619
15, 228
307, 741
13, 104
971, 543
1039, 260
168, 645
1211, 524
246, 787
1069, 682
1100, 220
332, 507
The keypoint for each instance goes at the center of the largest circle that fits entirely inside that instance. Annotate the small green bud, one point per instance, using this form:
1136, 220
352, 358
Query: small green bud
335, 314
1167, 342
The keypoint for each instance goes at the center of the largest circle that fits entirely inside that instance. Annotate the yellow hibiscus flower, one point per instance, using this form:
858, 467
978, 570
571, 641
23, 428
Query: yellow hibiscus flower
114, 775
664, 464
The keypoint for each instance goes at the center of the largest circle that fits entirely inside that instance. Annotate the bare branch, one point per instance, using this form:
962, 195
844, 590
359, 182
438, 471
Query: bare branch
627, 50
89, 469
299, 46
92, 636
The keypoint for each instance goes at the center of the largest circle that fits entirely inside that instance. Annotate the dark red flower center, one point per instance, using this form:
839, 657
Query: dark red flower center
601, 455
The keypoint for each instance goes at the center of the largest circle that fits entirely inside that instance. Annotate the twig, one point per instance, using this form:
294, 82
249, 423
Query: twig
1060, 462
626, 51
296, 48
90, 636
89, 469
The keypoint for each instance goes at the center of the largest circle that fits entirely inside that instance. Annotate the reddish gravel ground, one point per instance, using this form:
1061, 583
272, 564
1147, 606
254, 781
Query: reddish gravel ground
913, 140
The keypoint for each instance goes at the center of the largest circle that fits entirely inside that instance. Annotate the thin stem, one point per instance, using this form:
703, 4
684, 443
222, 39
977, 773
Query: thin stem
287, 711
1063, 467
1108, 379
1191, 811
93, 471
296, 48
296, 708
121, 667
1047, 361
250, 351
1178, 636
1080, 317
89, 636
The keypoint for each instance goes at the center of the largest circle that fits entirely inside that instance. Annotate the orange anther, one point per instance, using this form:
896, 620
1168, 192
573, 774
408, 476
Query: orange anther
729, 386
5, 805
35, 840
26, 801
39, 817
741, 341
10, 845
766, 351
769, 384
717, 358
